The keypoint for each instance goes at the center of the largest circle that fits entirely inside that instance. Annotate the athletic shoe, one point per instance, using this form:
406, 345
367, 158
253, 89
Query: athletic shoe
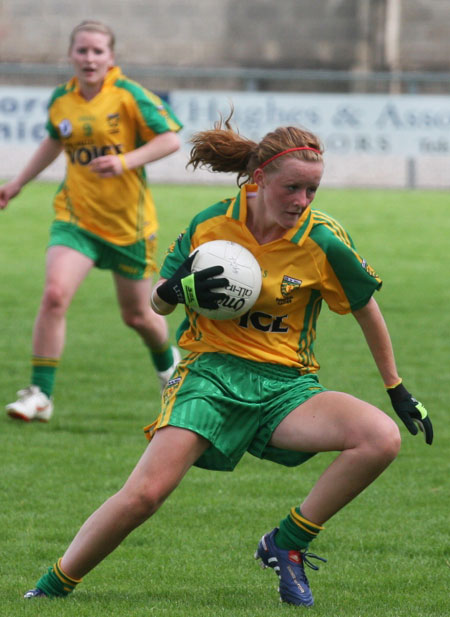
289, 566
164, 376
32, 404
35, 593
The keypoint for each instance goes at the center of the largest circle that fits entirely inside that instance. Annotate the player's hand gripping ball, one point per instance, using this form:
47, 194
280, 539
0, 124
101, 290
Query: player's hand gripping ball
242, 272
220, 279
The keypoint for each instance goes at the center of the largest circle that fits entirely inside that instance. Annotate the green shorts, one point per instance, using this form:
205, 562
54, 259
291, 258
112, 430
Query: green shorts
236, 404
134, 261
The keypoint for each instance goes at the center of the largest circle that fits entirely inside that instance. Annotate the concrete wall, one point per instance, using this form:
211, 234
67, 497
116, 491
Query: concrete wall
425, 40
270, 34
340, 34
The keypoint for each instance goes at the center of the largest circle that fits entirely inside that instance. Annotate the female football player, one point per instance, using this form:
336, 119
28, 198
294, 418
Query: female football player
250, 384
109, 128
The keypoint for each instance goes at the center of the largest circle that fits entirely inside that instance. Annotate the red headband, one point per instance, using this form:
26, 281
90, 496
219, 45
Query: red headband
275, 156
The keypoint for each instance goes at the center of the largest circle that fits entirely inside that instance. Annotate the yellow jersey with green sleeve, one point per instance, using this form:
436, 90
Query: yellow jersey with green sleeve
120, 118
314, 262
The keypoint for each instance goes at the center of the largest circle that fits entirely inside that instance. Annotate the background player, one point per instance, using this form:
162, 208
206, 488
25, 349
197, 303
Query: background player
104, 212
251, 384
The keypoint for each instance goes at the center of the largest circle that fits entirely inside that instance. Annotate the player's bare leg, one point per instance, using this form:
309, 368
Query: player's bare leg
161, 468
65, 271
134, 300
333, 421
368, 441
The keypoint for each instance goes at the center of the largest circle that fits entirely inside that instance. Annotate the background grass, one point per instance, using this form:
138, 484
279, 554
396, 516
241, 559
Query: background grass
387, 553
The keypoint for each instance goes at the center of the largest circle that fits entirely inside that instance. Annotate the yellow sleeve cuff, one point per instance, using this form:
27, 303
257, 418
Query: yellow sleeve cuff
123, 161
394, 385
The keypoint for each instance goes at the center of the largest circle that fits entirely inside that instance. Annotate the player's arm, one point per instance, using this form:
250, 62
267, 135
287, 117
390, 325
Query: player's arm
113, 165
377, 336
160, 146
45, 154
411, 412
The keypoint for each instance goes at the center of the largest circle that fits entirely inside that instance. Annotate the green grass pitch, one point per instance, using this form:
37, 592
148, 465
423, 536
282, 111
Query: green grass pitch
386, 551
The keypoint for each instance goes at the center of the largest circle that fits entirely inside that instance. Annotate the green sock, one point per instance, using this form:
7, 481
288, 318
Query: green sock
296, 531
162, 357
55, 583
43, 373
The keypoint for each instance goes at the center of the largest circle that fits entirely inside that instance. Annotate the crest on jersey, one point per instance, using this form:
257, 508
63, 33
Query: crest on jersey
65, 128
113, 120
288, 284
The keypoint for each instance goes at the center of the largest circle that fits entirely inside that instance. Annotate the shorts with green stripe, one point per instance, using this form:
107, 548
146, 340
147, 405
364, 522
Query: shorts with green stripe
236, 404
134, 261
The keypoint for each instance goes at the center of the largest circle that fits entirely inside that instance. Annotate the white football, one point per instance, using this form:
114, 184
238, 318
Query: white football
242, 271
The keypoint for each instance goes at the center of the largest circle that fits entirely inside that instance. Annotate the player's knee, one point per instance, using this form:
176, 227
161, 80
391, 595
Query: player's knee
54, 299
388, 440
145, 500
134, 319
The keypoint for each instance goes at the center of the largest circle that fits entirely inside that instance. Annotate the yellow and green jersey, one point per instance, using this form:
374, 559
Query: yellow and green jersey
312, 262
122, 117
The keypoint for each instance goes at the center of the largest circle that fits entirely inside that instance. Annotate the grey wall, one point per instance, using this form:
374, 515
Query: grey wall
339, 34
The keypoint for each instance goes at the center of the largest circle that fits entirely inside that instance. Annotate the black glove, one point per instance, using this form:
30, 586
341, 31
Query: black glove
193, 288
411, 412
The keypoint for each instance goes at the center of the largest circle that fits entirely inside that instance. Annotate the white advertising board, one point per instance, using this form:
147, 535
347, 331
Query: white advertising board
370, 140
348, 124
23, 114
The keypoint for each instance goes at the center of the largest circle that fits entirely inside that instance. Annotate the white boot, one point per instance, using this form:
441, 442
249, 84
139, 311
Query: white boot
32, 404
